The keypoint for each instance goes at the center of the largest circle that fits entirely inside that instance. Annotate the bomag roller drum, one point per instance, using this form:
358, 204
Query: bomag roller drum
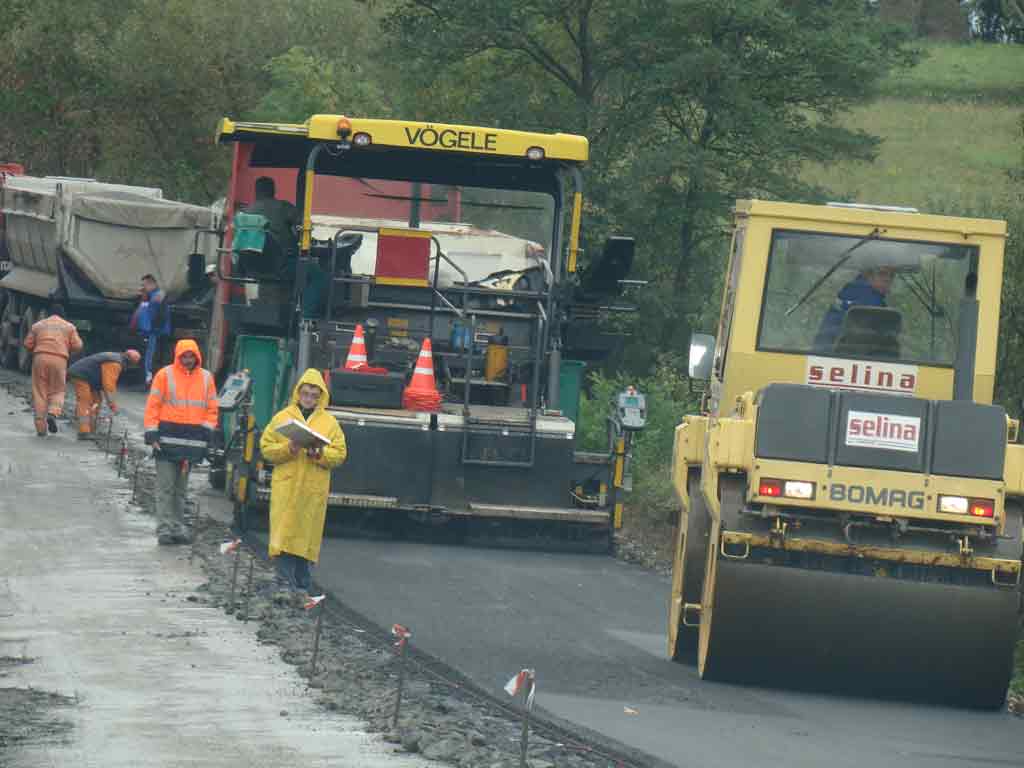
854, 625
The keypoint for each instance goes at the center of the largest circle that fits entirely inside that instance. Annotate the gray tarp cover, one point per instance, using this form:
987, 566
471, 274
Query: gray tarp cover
112, 233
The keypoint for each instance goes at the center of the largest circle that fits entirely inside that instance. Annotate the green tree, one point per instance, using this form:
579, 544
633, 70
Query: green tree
132, 91
49, 82
690, 104
998, 20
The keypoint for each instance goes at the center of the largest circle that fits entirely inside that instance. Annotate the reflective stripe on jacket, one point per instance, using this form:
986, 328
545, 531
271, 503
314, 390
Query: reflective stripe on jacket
53, 335
181, 412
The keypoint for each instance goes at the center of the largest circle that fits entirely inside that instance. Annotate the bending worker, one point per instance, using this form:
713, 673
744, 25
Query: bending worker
301, 481
868, 289
51, 341
95, 379
181, 415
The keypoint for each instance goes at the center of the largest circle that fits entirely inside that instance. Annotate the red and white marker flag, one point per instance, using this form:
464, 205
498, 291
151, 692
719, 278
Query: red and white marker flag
401, 633
230, 546
526, 677
313, 601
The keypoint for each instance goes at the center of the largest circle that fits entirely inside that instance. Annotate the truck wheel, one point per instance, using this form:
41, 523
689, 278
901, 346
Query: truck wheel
9, 320
28, 318
217, 478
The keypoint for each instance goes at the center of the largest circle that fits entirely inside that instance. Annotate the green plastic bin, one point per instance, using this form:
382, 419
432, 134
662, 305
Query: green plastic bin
570, 384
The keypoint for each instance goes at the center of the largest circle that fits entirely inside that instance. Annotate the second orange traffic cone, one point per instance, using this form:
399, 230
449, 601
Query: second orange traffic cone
422, 394
357, 351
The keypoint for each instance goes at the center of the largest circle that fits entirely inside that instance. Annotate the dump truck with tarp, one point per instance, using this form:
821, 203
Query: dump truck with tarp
462, 236
87, 244
851, 498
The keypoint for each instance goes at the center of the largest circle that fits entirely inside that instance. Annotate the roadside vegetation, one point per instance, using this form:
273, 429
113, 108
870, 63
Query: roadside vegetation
652, 501
1017, 685
978, 71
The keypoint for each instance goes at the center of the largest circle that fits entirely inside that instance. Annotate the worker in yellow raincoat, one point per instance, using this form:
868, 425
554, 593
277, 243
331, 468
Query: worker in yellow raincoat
301, 481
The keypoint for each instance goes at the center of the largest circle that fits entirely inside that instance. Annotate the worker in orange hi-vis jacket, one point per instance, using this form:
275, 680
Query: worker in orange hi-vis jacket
180, 419
95, 379
51, 341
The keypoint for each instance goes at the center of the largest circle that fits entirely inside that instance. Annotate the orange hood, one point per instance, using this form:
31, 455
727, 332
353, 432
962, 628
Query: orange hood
187, 345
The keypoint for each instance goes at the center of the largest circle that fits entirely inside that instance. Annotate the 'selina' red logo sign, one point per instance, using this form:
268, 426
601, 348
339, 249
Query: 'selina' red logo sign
862, 375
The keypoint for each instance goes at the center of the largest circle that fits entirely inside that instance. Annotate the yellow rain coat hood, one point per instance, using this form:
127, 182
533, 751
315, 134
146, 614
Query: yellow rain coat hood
300, 484
311, 376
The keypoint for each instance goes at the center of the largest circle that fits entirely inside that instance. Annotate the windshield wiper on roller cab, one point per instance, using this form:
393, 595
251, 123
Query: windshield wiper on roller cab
843, 258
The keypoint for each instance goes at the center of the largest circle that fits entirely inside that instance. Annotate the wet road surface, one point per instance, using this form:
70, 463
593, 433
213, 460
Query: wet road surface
97, 613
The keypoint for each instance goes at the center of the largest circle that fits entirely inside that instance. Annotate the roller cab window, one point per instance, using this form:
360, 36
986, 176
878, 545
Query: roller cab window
864, 297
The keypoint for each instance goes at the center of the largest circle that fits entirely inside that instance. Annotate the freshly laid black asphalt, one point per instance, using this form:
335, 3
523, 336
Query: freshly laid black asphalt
594, 630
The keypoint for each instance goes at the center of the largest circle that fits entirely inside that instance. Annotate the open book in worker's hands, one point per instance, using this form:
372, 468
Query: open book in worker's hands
293, 429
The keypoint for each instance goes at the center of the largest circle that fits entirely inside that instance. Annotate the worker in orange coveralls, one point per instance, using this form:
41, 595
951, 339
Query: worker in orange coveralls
51, 341
95, 378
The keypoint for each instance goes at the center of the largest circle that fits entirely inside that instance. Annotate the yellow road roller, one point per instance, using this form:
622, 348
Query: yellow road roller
851, 499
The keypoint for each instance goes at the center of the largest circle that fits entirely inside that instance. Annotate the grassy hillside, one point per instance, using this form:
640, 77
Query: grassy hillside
951, 129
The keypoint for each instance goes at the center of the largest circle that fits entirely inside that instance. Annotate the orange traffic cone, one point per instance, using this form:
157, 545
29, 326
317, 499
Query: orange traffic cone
357, 351
422, 394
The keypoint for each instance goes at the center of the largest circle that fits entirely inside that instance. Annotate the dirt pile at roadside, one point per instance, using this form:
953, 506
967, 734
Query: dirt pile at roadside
651, 546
